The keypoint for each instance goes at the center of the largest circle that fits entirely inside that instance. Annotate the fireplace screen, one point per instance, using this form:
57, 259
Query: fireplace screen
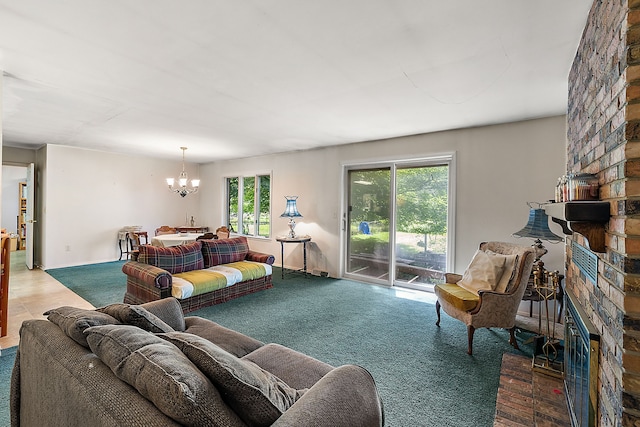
581, 364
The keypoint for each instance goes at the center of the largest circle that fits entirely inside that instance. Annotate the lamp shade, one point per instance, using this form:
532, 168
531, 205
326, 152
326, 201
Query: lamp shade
538, 227
291, 210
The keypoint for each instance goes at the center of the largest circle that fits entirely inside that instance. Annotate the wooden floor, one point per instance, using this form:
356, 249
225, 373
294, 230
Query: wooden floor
528, 398
31, 293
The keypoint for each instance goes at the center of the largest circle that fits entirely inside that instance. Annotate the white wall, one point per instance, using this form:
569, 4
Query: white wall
499, 169
87, 196
11, 176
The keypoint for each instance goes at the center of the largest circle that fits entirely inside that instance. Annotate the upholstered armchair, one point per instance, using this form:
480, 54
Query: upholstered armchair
488, 295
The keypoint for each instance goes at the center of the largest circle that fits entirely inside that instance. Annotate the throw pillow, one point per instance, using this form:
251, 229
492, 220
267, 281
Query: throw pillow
483, 273
258, 396
162, 374
216, 252
175, 259
511, 262
73, 321
136, 316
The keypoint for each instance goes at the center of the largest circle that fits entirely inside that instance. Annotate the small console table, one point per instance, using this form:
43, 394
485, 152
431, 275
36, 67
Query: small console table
191, 229
298, 239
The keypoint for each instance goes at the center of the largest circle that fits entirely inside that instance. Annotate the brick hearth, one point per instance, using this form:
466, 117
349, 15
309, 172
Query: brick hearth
528, 398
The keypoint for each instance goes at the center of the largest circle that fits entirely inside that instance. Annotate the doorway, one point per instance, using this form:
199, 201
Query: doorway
399, 222
17, 208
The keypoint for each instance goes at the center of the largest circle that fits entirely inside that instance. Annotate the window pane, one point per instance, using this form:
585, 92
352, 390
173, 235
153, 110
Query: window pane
368, 244
232, 204
421, 224
264, 198
248, 206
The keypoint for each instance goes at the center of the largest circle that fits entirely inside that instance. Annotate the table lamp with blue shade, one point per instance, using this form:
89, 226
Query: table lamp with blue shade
538, 228
291, 211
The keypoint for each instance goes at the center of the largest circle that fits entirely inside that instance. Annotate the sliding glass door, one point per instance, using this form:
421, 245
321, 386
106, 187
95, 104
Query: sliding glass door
368, 218
399, 223
422, 201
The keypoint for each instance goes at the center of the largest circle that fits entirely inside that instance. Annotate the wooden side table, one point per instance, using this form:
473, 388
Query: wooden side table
298, 239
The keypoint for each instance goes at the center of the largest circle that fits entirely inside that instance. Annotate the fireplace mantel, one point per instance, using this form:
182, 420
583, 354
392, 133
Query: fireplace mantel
585, 217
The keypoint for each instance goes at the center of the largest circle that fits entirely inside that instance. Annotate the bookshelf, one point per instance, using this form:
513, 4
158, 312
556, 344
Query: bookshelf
22, 225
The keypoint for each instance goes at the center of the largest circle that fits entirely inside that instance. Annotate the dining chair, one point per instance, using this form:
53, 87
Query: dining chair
222, 232
165, 229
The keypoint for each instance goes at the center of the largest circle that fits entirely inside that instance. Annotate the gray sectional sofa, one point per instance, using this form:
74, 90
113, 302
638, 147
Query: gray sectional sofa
148, 365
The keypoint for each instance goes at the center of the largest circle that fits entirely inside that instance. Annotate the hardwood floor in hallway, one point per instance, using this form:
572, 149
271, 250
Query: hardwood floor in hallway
31, 293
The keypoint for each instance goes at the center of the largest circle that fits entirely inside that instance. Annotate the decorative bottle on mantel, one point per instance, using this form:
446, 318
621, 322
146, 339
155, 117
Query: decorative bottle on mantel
193, 222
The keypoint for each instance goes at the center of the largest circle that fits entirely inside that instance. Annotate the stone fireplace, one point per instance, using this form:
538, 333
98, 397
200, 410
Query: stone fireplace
581, 350
603, 138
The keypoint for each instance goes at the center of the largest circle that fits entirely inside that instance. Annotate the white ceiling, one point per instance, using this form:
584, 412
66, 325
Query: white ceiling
238, 78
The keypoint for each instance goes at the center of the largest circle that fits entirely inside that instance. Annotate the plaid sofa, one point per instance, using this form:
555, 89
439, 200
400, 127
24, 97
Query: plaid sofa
150, 273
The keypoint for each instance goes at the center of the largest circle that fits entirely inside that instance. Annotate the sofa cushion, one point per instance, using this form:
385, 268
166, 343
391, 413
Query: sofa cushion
161, 373
136, 316
216, 252
73, 321
250, 270
484, 272
457, 296
174, 259
197, 282
294, 368
169, 310
257, 396
232, 341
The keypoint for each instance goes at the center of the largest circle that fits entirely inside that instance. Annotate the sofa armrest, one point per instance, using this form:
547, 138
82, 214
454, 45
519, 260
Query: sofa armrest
148, 274
452, 277
260, 257
347, 396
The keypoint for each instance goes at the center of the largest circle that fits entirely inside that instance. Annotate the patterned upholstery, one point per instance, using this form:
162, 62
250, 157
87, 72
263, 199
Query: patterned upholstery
174, 259
216, 252
493, 309
150, 276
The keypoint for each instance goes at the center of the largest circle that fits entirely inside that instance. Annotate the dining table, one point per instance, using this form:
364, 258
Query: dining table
167, 240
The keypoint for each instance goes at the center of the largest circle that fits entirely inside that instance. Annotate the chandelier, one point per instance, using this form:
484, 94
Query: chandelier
182, 189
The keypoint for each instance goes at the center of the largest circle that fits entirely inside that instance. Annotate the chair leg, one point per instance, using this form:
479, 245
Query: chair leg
438, 312
470, 331
512, 338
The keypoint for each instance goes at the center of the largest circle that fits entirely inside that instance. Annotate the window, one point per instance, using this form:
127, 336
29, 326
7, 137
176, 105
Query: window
249, 205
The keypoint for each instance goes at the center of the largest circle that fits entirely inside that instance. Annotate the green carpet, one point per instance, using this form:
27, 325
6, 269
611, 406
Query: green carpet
100, 284
423, 373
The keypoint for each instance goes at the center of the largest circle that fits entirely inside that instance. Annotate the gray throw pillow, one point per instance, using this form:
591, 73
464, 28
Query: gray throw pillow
136, 316
257, 396
73, 321
162, 374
